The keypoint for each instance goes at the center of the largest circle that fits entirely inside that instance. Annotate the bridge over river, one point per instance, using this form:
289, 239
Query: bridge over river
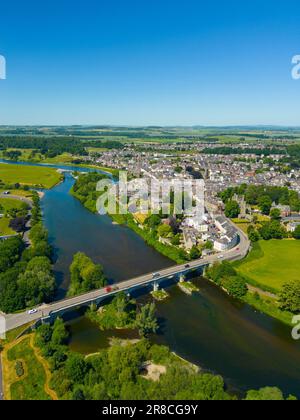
51, 311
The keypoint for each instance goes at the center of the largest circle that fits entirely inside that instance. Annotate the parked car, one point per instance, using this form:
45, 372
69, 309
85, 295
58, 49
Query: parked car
155, 275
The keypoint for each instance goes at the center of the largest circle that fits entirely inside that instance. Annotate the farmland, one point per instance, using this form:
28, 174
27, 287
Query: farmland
29, 175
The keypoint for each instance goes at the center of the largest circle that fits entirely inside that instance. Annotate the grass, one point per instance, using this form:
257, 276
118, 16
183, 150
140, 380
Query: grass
31, 386
271, 264
20, 193
11, 203
168, 251
268, 306
5, 230
29, 175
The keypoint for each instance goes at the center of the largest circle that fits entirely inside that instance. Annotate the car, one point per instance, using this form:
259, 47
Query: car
32, 311
108, 289
155, 275
187, 266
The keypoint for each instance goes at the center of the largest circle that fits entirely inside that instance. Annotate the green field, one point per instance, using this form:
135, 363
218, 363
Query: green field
10, 203
29, 175
271, 264
31, 386
5, 230
7, 204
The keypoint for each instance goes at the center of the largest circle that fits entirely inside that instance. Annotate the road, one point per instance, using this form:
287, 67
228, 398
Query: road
17, 320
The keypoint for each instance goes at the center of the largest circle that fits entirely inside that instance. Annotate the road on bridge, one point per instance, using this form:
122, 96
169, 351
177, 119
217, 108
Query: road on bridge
17, 320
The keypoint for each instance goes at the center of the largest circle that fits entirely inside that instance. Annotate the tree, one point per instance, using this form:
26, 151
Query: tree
236, 286
195, 253
289, 298
146, 321
253, 235
59, 334
275, 214
76, 368
296, 233
164, 230
153, 221
85, 275
265, 394
265, 204
272, 230
232, 209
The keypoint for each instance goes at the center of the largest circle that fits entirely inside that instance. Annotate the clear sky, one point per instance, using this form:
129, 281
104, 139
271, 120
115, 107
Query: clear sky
150, 62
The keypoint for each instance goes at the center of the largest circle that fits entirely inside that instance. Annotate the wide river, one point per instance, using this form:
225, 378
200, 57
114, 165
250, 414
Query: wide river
248, 349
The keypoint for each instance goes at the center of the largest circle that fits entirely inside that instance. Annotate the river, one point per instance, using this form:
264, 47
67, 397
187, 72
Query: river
248, 349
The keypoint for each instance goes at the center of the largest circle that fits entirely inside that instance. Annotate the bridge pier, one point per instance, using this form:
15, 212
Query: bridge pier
182, 278
155, 287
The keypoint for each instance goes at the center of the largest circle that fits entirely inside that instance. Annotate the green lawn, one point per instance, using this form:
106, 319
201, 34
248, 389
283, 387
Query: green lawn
10, 203
29, 175
5, 230
31, 386
271, 264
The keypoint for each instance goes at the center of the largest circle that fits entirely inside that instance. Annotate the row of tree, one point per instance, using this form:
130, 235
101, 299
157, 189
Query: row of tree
263, 196
26, 277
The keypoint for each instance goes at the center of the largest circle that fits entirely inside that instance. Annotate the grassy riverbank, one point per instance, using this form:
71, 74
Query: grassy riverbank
150, 238
268, 267
85, 191
32, 176
271, 264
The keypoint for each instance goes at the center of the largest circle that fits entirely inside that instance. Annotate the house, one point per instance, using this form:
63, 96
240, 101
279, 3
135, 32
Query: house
189, 237
292, 226
285, 211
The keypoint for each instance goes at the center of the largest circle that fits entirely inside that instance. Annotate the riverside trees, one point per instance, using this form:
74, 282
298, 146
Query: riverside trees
85, 275
26, 277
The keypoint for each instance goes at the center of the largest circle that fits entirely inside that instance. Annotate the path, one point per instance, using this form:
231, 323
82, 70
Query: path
261, 292
42, 361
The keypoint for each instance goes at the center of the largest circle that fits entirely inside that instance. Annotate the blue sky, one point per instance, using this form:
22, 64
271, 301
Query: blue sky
150, 62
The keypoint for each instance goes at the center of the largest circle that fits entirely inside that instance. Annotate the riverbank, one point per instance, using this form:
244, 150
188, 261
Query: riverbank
31, 176
67, 162
84, 190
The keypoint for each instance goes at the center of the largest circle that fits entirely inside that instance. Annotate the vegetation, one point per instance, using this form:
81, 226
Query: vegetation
85, 275
26, 378
289, 298
146, 321
271, 263
263, 196
26, 277
123, 312
120, 313
117, 373
153, 227
267, 394
33, 176
226, 276
232, 209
